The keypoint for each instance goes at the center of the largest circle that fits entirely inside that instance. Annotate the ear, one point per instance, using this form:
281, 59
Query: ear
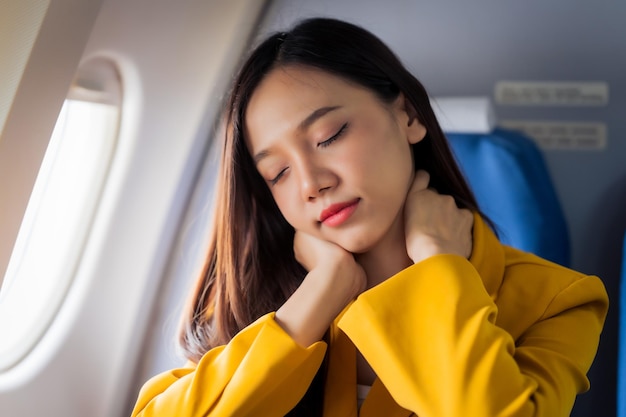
414, 129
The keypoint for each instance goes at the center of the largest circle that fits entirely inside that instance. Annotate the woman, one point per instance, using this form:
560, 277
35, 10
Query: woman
351, 272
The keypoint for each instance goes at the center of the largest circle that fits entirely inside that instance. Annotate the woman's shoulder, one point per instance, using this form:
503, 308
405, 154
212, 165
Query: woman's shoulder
527, 269
534, 289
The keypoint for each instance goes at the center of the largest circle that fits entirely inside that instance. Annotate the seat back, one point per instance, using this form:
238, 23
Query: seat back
511, 182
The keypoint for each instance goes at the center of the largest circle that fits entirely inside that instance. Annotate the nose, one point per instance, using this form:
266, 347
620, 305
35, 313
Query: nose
314, 180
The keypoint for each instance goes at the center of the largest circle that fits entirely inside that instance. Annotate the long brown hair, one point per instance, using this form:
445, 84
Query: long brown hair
250, 267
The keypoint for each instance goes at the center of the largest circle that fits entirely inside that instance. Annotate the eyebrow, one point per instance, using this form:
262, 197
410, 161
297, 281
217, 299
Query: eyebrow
311, 118
305, 124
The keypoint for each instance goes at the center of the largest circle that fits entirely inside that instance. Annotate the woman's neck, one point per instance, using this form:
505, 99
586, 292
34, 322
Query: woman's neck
388, 257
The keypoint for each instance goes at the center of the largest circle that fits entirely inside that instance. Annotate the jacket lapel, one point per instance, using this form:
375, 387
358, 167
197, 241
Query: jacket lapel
340, 391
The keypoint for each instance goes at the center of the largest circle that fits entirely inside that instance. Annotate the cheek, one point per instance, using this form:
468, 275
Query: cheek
287, 205
390, 177
386, 163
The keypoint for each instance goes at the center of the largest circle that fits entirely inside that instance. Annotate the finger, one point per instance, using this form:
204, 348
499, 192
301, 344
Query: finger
422, 178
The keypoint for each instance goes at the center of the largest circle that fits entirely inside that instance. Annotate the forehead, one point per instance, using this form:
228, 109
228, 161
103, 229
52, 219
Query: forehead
287, 95
298, 86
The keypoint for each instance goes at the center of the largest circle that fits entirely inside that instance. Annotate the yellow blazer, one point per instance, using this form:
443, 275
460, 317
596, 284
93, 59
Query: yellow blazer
503, 334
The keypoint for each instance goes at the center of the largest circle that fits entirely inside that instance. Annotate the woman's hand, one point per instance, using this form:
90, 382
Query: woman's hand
434, 224
333, 262
334, 279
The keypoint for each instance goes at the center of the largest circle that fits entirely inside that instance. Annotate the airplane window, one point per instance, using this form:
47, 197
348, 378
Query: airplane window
61, 209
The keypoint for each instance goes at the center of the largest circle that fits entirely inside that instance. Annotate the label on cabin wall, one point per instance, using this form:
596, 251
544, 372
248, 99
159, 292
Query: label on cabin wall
562, 135
523, 93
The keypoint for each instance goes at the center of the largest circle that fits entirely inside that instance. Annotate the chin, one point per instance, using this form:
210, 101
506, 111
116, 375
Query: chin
364, 239
356, 246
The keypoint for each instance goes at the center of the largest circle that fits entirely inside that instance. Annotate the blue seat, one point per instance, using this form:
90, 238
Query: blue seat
511, 182
621, 345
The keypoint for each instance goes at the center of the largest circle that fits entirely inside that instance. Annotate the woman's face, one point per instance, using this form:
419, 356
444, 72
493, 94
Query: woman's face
336, 159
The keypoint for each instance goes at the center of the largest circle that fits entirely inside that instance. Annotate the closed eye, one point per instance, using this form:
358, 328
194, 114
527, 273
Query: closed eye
323, 144
334, 137
277, 177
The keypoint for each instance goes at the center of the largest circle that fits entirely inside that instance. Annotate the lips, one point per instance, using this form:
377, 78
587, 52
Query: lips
336, 214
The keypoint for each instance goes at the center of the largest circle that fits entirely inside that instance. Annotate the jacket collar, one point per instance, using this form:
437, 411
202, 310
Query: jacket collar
487, 256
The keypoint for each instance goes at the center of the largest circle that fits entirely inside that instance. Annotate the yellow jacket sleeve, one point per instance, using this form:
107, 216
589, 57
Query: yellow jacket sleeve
431, 336
261, 372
